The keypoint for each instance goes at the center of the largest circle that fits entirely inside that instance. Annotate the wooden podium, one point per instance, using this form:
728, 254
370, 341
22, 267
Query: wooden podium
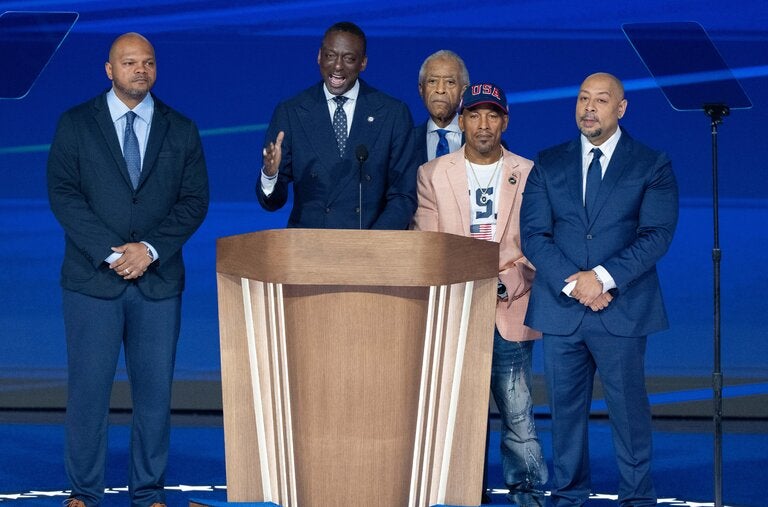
355, 366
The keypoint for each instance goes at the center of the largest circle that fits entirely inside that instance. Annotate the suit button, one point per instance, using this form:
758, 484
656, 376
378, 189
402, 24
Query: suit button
357, 210
589, 236
314, 175
367, 177
327, 210
133, 235
135, 201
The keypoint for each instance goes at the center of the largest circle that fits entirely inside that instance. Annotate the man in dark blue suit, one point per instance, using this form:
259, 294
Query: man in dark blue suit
443, 77
597, 215
345, 146
127, 181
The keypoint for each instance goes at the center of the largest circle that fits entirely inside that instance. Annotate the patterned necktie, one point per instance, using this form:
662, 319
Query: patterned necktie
442, 143
340, 124
131, 149
594, 178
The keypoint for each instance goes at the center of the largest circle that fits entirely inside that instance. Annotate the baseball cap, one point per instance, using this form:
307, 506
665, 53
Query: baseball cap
484, 93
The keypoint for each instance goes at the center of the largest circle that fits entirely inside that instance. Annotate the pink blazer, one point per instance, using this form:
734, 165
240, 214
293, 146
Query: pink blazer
443, 194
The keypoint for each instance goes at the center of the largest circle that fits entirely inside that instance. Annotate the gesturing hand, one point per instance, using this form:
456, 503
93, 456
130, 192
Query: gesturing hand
272, 154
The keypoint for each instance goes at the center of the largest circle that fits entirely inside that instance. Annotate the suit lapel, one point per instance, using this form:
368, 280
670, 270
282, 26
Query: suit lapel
107, 127
509, 189
157, 134
367, 121
456, 173
316, 122
613, 173
575, 177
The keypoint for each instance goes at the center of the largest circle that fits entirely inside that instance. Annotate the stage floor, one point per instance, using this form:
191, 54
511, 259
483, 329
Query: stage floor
32, 473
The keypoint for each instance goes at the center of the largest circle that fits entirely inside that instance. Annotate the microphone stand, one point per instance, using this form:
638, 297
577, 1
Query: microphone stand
361, 154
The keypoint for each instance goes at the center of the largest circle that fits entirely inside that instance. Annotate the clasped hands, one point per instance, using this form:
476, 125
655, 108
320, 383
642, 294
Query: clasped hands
134, 261
589, 291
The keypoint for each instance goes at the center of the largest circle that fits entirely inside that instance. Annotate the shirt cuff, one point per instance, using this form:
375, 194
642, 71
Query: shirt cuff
268, 183
155, 255
113, 257
605, 277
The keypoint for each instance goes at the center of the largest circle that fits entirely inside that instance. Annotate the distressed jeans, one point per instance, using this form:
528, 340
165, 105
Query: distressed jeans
525, 471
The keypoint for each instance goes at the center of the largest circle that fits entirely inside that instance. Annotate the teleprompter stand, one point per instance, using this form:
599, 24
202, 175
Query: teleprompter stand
694, 77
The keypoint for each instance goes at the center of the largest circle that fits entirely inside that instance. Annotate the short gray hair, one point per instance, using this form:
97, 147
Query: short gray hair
445, 53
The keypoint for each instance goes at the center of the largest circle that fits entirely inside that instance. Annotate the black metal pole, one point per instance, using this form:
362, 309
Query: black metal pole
716, 112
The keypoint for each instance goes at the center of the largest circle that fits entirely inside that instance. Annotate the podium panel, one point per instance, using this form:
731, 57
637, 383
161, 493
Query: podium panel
370, 388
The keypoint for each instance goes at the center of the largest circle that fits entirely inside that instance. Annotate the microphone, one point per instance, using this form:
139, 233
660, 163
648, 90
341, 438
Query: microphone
361, 154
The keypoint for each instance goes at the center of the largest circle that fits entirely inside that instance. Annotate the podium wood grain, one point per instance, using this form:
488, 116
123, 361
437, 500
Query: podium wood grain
355, 366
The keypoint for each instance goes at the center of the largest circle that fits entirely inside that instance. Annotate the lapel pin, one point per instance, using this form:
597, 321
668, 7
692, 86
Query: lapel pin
370, 119
512, 180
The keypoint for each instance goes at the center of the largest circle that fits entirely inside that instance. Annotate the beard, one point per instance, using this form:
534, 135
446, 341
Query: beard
133, 92
591, 134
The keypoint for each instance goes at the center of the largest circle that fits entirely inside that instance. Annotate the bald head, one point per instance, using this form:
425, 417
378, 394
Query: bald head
599, 107
608, 79
131, 68
128, 38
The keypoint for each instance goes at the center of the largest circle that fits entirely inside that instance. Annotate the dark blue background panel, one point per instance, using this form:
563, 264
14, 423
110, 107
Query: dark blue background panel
227, 64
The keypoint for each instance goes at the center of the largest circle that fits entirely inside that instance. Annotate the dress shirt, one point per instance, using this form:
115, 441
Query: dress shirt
453, 136
607, 148
141, 126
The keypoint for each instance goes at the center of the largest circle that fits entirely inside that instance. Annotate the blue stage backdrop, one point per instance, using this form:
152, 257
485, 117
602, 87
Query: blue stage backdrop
226, 65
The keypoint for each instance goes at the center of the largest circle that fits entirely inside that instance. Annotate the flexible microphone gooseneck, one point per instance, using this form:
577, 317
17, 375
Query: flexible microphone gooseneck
361, 154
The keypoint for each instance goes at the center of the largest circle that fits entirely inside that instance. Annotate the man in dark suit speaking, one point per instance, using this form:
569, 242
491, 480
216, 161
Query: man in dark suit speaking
597, 215
345, 146
127, 181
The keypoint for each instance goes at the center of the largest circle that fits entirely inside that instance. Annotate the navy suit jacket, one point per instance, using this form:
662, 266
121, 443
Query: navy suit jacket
325, 186
91, 195
420, 143
631, 229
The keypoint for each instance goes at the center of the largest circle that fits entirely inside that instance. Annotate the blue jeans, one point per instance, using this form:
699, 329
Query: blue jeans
525, 471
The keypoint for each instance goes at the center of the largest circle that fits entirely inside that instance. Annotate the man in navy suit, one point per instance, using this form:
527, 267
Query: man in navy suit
594, 224
345, 146
127, 181
443, 77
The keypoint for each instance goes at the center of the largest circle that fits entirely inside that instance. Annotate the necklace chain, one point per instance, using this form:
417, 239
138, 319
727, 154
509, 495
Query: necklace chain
484, 191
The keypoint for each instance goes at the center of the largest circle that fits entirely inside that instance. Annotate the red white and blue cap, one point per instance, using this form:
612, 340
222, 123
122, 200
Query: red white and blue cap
484, 93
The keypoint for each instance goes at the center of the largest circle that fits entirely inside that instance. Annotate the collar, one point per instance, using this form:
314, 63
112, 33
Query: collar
451, 127
351, 94
607, 147
117, 108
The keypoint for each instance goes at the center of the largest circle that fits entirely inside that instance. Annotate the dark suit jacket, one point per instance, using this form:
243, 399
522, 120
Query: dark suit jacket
631, 229
91, 196
325, 187
420, 143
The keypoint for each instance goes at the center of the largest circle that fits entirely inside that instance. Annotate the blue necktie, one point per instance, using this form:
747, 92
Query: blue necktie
131, 149
340, 124
442, 143
594, 178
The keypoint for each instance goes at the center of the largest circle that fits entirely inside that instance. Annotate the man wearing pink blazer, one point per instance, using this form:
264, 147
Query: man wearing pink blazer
477, 191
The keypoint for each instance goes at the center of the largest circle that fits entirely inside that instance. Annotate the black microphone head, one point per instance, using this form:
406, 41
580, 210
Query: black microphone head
361, 153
